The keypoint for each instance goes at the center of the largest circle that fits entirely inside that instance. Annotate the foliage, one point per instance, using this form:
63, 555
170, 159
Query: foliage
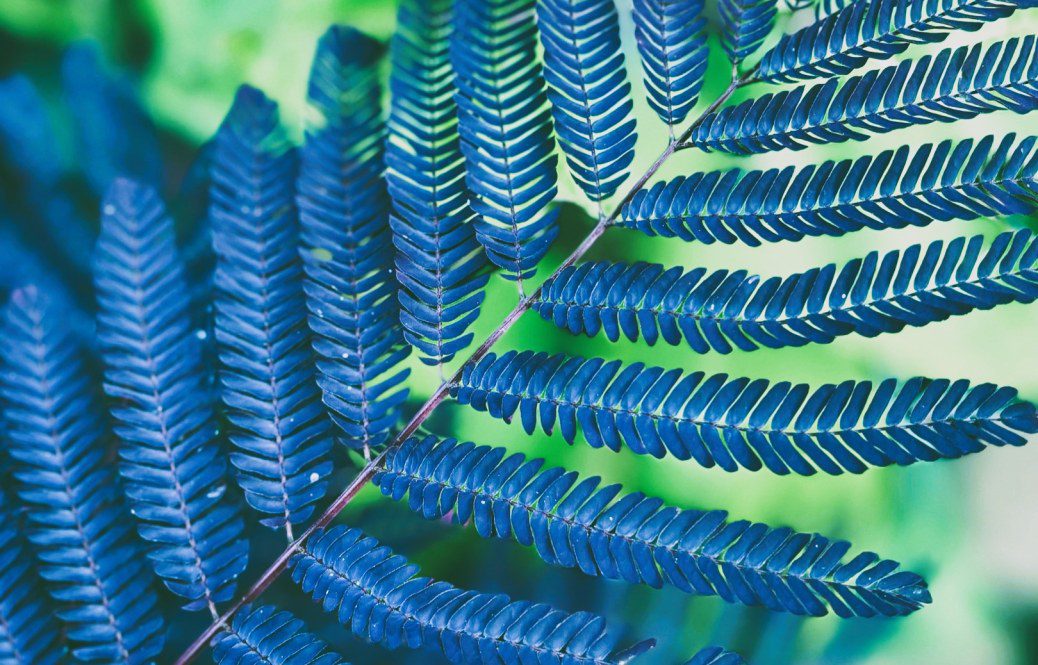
318, 269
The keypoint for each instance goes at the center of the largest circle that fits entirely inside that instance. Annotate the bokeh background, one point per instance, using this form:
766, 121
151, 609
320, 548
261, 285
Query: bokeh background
971, 526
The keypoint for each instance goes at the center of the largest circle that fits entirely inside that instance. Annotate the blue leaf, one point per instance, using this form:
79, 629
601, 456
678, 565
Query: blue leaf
172, 465
265, 636
738, 423
589, 91
346, 242
672, 43
279, 426
745, 24
864, 30
506, 132
28, 633
716, 656
637, 539
723, 309
77, 523
894, 189
114, 135
439, 262
375, 593
954, 84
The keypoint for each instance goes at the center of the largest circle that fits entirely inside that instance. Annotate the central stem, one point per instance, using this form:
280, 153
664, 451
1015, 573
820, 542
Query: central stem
364, 476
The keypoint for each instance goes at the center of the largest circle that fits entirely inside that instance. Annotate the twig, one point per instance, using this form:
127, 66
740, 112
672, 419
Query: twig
441, 393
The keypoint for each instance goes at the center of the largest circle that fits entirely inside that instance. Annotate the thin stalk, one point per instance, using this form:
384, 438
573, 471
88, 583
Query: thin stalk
364, 476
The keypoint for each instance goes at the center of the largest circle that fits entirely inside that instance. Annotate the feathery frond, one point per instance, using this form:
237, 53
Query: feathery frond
351, 574
28, 633
114, 135
439, 261
589, 91
637, 539
716, 656
735, 423
864, 30
955, 84
671, 38
279, 426
79, 528
894, 189
506, 131
745, 24
723, 309
172, 465
266, 636
346, 243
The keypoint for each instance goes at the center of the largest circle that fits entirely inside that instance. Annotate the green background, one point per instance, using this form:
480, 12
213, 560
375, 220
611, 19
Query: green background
969, 525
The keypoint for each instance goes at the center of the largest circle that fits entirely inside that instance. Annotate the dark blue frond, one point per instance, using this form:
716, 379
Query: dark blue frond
114, 135
954, 84
745, 24
280, 430
739, 423
29, 143
266, 636
637, 539
172, 465
722, 309
28, 633
716, 656
349, 574
589, 91
80, 530
866, 30
506, 131
895, 189
346, 242
439, 262
672, 43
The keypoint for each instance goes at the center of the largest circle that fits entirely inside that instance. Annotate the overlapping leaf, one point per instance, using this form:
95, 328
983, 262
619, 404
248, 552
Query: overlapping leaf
266, 636
672, 44
77, 523
739, 423
894, 189
637, 539
280, 430
722, 309
174, 471
349, 574
346, 242
439, 262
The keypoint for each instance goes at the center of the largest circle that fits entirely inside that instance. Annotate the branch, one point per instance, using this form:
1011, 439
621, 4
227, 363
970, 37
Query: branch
278, 566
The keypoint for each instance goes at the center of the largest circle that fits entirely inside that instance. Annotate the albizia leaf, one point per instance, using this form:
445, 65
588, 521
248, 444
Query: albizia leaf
265, 635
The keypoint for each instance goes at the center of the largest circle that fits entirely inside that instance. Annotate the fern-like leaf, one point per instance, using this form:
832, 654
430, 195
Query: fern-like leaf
172, 465
346, 242
865, 30
28, 633
716, 656
506, 132
439, 261
955, 84
672, 43
77, 523
349, 573
589, 91
264, 635
745, 25
637, 539
735, 423
114, 135
280, 429
722, 310
895, 189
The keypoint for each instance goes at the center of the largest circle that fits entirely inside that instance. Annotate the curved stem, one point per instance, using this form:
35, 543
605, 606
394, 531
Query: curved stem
440, 394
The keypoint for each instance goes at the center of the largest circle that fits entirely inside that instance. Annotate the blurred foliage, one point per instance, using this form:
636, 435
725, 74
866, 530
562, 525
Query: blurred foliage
970, 524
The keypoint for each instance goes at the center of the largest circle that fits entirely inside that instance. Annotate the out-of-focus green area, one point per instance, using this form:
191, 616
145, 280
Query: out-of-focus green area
970, 525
